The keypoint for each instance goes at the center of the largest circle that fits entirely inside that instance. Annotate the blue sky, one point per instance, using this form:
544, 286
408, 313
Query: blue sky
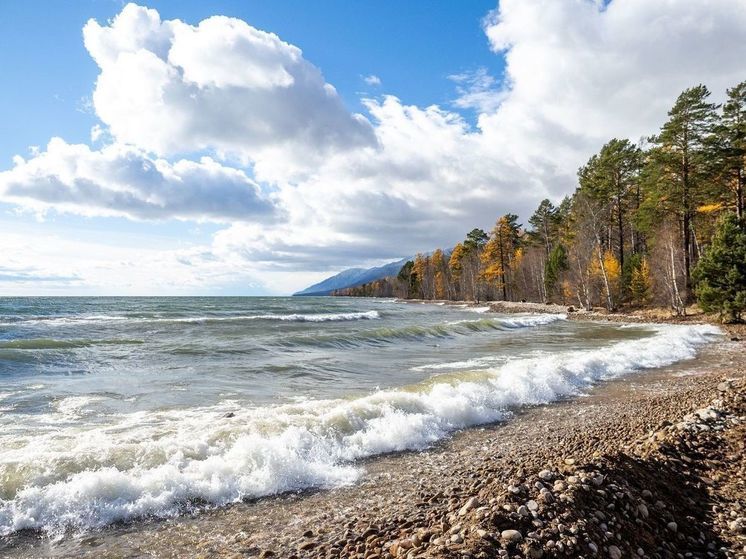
165, 150
52, 74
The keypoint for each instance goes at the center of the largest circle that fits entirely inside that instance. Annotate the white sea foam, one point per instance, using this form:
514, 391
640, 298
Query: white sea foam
293, 317
152, 463
320, 317
520, 320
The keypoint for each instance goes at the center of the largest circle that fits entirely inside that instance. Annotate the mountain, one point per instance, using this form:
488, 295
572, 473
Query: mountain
353, 277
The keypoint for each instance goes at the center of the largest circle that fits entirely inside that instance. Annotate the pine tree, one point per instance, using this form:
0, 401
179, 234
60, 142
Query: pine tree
556, 264
641, 284
721, 272
544, 221
613, 175
679, 168
732, 145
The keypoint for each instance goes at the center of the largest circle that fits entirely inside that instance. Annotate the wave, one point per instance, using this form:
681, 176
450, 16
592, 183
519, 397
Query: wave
157, 463
48, 343
521, 320
294, 317
393, 334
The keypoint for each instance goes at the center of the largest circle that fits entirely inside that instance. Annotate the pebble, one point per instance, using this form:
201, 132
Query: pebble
546, 475
511, 536
470, 504
615, 552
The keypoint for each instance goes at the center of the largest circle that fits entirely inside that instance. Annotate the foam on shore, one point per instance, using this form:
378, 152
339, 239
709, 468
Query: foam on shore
162, 463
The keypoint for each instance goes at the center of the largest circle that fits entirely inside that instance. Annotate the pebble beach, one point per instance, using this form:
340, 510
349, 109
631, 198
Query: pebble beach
647, 467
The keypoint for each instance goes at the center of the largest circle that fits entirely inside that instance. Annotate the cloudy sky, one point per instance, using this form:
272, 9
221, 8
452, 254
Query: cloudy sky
255, 147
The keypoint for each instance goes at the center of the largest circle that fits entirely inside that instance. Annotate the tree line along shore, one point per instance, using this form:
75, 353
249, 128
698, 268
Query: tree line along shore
658, 223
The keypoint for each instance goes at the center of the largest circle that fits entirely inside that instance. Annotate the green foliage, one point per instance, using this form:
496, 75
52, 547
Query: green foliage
679, 166
408, 278
721, 272
476, 239
731, 138
556, 264
637, 279
544, 223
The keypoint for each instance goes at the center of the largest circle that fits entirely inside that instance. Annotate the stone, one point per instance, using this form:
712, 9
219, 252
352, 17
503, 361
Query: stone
532, 505
523, 510
672, 526
470, 504
593, 547
511, 536
456, 538
643, 510
615, 552
546, 475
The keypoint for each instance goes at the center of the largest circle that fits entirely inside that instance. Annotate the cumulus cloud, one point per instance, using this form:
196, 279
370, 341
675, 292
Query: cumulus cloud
222, 85
372, 80
347, 189
577, 74
581, 72
122, 180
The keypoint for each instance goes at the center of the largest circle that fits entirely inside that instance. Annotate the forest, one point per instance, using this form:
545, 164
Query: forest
657, 223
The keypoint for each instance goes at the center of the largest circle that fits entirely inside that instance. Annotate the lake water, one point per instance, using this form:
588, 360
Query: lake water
118, 408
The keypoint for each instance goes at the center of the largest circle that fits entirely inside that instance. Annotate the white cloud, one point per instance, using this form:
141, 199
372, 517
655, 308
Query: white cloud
577, 74
581, 72
372, 80
347, 189
121, 180
478, 90
222, 85
42, 263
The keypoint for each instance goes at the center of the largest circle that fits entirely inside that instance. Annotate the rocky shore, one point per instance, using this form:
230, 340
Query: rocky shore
651, 465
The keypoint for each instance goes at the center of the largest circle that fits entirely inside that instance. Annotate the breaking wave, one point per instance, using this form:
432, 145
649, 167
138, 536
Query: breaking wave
163, 463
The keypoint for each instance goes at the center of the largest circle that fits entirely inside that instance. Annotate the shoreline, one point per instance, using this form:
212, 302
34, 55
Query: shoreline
458, 498
646, 315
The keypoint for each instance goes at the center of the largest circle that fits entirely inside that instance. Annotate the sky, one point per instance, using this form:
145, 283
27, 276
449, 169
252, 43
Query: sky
256, 147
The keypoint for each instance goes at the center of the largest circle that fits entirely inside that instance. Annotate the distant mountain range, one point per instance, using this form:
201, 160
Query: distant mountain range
352, 278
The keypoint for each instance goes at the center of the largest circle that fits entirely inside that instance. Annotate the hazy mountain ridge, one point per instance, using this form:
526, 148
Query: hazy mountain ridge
352, 277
